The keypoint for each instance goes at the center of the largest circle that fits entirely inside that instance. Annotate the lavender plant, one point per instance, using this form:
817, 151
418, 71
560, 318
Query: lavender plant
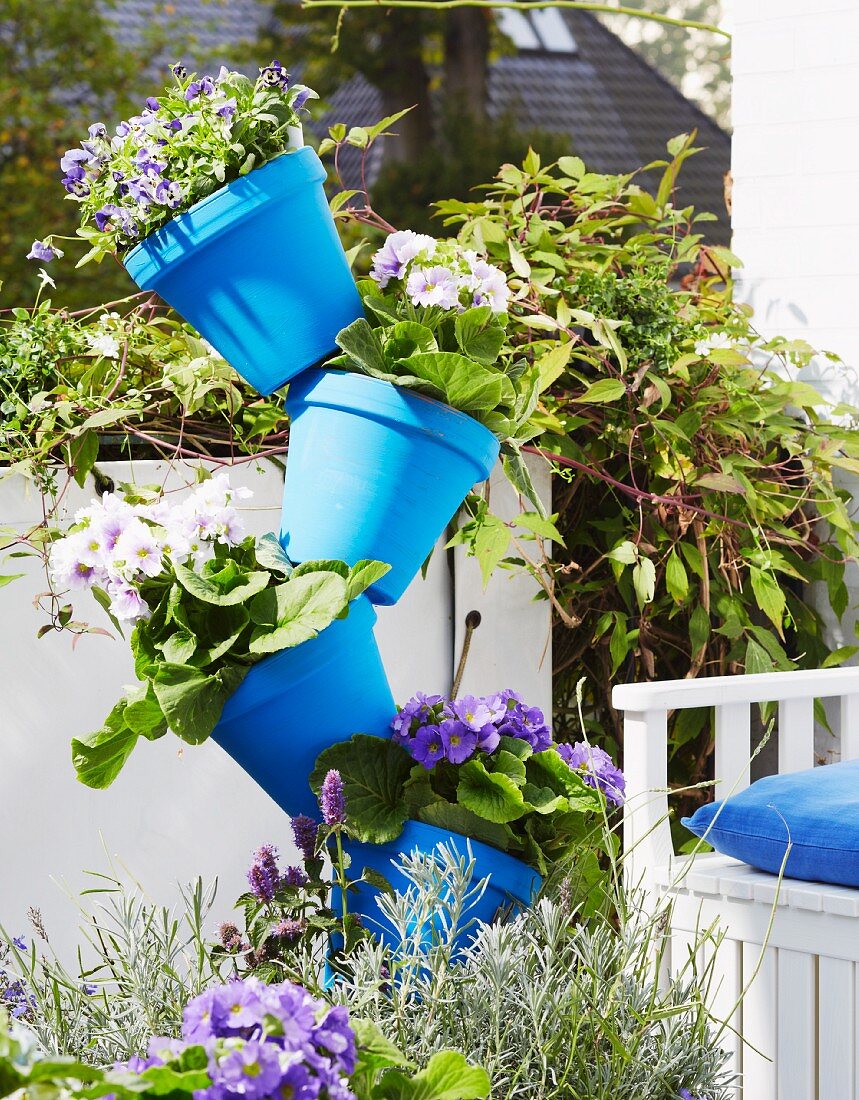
199, 134
205, 603
137, 967
553, 1007
483, 767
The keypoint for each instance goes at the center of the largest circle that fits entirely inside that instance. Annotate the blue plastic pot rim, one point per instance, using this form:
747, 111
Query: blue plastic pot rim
203, 223
516, 877
362, 617
405, 408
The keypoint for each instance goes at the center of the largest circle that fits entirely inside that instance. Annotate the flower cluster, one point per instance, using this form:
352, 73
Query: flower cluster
432, 728
265, 877
262, 1041
332, 799
439, 273
116, 546
597, 769
199, 134
15, 997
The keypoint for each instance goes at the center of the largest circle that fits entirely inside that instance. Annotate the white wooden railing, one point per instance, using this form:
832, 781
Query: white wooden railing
793, 948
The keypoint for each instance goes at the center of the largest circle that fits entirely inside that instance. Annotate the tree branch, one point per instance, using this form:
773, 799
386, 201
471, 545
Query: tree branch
577, 5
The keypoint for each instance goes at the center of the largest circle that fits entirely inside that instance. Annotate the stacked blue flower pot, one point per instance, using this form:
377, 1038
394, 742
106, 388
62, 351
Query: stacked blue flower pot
373, 472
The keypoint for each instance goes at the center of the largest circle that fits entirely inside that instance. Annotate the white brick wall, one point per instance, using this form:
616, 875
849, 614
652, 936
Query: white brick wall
796, 184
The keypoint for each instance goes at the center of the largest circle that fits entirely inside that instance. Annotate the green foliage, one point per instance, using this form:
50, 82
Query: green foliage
60, 69
531, 804
75, 386
553, 1006
466, 152
205, 631
695, 475
138, 966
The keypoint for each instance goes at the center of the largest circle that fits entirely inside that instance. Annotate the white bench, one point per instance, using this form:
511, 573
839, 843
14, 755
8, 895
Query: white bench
799, 1020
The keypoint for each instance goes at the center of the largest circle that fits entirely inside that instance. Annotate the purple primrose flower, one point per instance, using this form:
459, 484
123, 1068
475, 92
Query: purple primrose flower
427, 747
460, 742
597, 769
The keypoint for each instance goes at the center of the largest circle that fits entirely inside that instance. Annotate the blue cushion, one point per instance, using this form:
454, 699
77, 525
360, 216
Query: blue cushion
818, 809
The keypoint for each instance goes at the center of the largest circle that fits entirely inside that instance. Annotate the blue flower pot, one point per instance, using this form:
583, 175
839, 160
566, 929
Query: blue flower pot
258, 268
296, 703
510, 879
375, 471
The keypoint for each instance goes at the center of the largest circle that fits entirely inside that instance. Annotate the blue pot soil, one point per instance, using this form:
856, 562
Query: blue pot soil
375, 471
296, 703
258, 269
510, 879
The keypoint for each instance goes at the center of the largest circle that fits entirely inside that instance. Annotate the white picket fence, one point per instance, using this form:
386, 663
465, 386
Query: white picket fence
796, 1031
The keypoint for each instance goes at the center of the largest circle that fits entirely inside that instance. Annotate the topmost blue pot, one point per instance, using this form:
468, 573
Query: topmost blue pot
258, 269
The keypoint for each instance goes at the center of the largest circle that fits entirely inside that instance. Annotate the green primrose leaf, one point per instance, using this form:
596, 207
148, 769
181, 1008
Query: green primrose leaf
99, 757
374, 771
210, 591
296, 611
192, 700
479, 334
493, 796
447, 1076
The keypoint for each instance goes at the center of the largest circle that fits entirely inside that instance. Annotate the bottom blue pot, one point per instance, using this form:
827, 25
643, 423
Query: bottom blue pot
300, 701
510, 879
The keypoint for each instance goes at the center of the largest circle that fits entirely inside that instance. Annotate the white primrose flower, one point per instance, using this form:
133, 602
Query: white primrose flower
392, 259
126, 603
137, 551
71, 565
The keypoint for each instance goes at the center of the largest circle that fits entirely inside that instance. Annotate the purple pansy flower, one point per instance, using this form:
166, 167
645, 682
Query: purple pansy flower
274, 75
41, 250
73, 158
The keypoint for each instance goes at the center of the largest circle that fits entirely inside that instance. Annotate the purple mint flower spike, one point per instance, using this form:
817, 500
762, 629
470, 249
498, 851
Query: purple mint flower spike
231, 938
597, 769
264, 877
332, 799
291, 928
293, 876
305, 829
